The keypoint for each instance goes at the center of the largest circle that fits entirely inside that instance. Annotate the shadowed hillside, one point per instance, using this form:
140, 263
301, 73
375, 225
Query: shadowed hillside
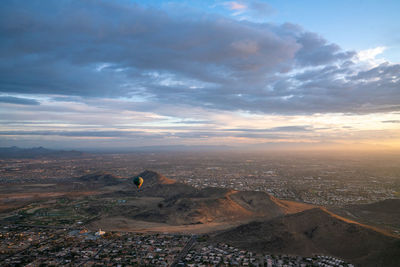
153, 178
269, 225
184, 204
316, 232
384, 214
101, 178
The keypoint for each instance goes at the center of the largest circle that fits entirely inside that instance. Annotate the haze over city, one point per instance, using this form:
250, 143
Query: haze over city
248, 74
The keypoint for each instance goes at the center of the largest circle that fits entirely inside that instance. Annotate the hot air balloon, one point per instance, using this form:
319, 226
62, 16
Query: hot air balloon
138, 181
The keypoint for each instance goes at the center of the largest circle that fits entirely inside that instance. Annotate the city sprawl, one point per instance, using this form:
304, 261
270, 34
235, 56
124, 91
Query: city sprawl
318, 179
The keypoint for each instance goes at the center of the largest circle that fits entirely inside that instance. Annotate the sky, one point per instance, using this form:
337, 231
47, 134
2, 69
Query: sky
248, 74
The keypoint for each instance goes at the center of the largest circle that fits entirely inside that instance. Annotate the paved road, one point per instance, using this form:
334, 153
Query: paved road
185, 250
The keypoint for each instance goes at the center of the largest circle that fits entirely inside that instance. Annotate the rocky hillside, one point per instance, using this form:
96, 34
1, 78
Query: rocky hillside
316, 231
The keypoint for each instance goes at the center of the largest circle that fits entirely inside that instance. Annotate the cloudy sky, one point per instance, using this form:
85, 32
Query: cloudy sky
121, 74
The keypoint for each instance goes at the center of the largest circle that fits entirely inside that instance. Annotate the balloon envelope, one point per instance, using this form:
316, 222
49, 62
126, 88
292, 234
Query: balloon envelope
138, 181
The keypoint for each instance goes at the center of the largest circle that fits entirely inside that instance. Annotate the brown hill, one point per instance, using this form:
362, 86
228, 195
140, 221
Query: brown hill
383, 214
316, 231
184, 204
204, 208
282, 227
151, 178
157, 185
265, 205
100, 178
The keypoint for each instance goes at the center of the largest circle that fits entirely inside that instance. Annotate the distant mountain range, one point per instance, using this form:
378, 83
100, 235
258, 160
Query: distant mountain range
36, 152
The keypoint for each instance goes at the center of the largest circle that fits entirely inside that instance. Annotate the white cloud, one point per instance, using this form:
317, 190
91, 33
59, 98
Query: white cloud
369, 56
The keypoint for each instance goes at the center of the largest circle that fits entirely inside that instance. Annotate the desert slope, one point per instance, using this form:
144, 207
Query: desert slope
151, 178
316, 231
383, 214
184, 204
101, 178
251, 220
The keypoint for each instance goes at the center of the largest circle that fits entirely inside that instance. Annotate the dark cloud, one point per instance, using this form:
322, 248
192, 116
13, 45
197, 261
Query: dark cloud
391, 121
294, 128
96, 49
64, 43
135, 134
195, 122
196, 133
317, 51
235, 134
18, 100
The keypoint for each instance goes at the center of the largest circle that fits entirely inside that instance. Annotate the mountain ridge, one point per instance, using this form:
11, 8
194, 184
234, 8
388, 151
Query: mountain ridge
316, 231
